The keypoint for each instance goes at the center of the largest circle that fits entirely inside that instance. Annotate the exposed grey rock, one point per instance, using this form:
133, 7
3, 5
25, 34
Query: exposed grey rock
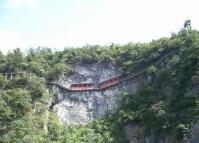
80, 108
85, 106
84, 73
194, 133
135, 134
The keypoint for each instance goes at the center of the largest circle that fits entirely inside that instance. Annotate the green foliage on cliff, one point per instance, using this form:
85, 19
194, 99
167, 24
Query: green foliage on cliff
167, 105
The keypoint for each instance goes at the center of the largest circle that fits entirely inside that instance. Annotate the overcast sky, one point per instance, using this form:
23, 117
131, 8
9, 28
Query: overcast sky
62, 23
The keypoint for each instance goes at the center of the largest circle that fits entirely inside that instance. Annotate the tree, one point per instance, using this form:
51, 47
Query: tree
187, 24
18, 100
15, 60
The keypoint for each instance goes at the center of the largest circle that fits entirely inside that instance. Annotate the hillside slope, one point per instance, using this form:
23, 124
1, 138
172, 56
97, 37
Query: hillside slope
156, 99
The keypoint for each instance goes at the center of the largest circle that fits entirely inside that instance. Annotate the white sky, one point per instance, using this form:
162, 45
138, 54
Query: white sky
63, 23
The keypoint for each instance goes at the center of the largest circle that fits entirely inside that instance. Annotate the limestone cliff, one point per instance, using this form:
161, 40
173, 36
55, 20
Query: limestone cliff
73, 107
79, 108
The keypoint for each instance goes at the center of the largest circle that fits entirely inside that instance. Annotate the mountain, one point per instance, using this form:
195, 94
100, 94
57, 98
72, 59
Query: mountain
136, 93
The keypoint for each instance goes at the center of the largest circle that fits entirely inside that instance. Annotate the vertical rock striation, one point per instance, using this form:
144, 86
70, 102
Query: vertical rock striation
82, 107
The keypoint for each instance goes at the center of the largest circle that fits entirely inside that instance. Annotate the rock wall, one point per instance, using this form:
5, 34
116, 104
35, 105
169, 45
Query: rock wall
135, 134
79, 108
85, 106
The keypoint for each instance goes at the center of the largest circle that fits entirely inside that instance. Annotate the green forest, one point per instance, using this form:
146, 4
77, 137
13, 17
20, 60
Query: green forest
168, 105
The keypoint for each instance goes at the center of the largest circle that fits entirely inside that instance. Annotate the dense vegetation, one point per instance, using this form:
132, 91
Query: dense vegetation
168, 104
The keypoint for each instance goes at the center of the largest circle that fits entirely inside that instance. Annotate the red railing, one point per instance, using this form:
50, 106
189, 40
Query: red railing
109, 83
82, 87
90, 86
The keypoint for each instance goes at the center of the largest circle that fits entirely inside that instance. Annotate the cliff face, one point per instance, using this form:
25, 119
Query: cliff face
85, 106
135, 134
79, 108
